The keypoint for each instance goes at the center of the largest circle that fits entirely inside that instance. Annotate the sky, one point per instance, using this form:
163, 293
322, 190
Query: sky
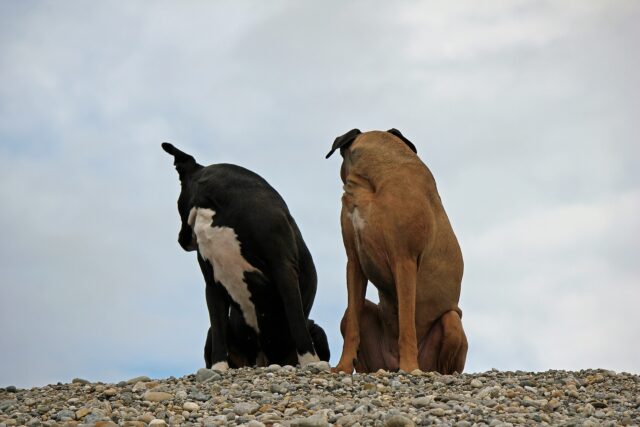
526, 112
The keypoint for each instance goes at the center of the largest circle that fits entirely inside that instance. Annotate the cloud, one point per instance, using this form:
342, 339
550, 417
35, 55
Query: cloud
525, 112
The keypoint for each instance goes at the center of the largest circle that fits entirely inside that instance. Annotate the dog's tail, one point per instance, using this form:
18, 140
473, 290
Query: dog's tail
319, 339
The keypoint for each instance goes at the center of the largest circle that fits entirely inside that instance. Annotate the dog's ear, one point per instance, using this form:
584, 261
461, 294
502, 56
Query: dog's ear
344, 141
397, 133
185, 163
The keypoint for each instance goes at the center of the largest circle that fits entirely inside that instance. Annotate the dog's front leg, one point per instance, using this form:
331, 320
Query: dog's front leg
356, 289
405, 272
218, 306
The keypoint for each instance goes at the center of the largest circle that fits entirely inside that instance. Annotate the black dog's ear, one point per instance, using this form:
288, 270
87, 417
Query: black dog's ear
397, 133
184, 163
344, 141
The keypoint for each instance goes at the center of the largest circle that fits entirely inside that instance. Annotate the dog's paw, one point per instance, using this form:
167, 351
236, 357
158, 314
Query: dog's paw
220, 366
343, 367
305, 359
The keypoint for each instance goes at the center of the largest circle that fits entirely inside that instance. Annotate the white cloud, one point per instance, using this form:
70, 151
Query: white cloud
525, 112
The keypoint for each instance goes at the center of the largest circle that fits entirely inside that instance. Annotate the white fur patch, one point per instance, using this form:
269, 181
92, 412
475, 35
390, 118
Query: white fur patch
220, 366
307, 358
356, 219
220, 246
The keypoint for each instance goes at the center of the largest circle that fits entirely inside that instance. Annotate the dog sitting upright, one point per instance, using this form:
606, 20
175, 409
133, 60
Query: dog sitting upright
397, 235
259, 274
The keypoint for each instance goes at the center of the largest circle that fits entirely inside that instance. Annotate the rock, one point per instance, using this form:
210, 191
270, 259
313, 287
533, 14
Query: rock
79, 381
190, 406
106, 424
244, 408
318, 367
346, 420
142, 378
157, 396
254, 423
399, 421
110, 392
65, 415
199, 396
11, 389
139, 386
421, 402
82, 412
6, 404
476, 383
205, 375
158, 423
314, 421
438, 412
146, 417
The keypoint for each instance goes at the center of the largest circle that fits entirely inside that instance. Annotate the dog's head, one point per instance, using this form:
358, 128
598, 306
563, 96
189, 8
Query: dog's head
187, 167
344, 142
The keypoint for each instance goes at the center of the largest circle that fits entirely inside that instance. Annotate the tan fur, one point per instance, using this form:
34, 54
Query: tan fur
404, 244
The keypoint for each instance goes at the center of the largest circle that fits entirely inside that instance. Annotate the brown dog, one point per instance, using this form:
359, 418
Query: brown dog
397, 235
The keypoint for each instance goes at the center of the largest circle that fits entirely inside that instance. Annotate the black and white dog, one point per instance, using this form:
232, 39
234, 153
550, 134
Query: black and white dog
259, 274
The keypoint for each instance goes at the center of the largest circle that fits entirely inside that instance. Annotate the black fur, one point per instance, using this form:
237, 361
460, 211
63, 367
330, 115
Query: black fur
271, 242
344, 141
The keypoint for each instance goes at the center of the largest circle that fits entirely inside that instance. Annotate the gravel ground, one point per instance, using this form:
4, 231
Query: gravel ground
315, 397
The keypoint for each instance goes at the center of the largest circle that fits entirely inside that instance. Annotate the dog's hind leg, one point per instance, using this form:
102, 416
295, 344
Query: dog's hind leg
285, 277
319, 338
444, 349
374, 352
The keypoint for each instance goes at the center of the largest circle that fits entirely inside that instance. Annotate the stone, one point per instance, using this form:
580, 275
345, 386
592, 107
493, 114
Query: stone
438, 412
421, 402
244, 408
6, 404
142, 378
203, 375
313, 421
139, 386
158, 423
157, 396
476, 383
190, 406
82, 412
65, 415
346, 420
147, 417
399, 421
110, 392
318, 367
79, 381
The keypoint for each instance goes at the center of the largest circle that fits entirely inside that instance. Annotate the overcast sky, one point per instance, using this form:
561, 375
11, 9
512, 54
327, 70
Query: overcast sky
527, 113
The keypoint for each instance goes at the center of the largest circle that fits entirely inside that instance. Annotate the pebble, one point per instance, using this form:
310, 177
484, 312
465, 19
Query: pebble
142, 378
313, 396
156, 396
190, 406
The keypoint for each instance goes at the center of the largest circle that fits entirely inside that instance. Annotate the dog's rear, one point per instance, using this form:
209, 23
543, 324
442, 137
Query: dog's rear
397, 235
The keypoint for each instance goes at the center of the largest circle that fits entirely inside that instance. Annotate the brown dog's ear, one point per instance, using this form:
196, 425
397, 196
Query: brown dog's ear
344, 141
185, 163
397, 133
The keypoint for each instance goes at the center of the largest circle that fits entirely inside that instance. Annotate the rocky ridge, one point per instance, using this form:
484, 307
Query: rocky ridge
313, 396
